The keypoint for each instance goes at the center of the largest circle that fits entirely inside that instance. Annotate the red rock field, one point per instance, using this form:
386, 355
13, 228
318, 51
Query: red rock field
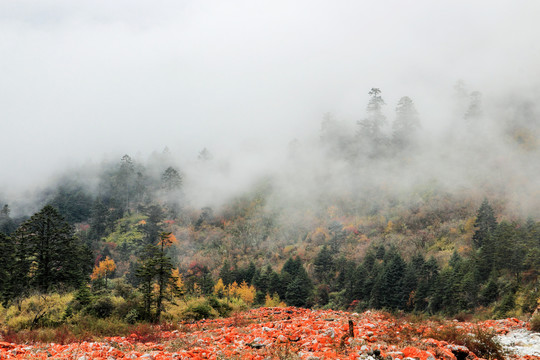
294, 333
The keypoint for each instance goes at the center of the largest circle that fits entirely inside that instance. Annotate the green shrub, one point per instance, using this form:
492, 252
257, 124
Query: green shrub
83, 295
221, 306
506, 305
237, 305
122, 288
535, 323
40, 310
198, 310
101, 307
121, 307
132, 316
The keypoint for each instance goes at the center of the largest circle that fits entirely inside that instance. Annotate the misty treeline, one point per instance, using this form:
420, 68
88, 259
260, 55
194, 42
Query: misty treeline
371, 214
44, 255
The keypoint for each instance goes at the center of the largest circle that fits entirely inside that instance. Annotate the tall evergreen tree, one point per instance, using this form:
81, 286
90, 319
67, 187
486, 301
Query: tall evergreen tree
358, 291
156, 276
225, 273
405, 125
427, 278
324, 265
370, 134
124, 183
484, 225
164, 274
171, 179
7, 225
56, 254
297, 282
394, 295
153, 227
7, 268
98, 220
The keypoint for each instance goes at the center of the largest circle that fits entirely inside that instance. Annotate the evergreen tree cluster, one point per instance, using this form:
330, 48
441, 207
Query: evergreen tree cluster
42, 255
504, 259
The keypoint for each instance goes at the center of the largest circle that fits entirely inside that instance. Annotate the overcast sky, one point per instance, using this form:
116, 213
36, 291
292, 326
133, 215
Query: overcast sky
82, 80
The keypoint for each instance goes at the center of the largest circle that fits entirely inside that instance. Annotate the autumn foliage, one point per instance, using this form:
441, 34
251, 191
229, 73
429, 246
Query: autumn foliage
104, 269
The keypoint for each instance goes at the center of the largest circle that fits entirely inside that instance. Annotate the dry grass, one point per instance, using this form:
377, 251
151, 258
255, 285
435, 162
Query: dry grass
480, 341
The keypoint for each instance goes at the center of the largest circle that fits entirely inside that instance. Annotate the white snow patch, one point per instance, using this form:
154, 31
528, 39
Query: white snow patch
521, 342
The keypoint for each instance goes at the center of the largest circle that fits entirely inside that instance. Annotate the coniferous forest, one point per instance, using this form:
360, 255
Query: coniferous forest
354, 220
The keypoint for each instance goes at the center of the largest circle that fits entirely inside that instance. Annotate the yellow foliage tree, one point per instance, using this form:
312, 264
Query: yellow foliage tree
246, 292
103, 270
177, 285
219, 288
273, 301
389, 227
232, 290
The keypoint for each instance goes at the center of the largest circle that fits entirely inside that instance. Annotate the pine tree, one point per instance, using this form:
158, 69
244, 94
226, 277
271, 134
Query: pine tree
297, 282
225, 273
146, 272
291, 267
155, 272
7, 225
394, 295
276, 285
467, 286
125, 182
153, 226
405, 125
485, 224
506, 244
299, 290
370, 135
98, 220
56, 255
7, 269
171, 179
489, 292
250, 273
324, 265
164, 269
358, 291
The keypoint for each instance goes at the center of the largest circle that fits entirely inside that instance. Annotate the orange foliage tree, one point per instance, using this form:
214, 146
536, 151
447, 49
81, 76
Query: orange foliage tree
103, 270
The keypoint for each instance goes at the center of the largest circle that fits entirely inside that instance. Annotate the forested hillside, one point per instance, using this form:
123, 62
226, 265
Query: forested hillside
370, 214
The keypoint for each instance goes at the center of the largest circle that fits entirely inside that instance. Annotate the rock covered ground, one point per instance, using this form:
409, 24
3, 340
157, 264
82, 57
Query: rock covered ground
293, 333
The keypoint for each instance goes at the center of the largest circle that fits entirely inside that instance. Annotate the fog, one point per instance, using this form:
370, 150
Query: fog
86, 82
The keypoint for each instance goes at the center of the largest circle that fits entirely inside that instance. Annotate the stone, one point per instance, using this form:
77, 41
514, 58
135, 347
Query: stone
330, 332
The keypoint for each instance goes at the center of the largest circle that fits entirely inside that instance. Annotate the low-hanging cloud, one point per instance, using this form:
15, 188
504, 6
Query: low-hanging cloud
84, 79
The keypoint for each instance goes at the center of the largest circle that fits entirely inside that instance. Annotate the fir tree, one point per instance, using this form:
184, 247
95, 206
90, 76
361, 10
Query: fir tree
485, 224
7, 268
370, 134
56, 254
405, 125
323, 264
